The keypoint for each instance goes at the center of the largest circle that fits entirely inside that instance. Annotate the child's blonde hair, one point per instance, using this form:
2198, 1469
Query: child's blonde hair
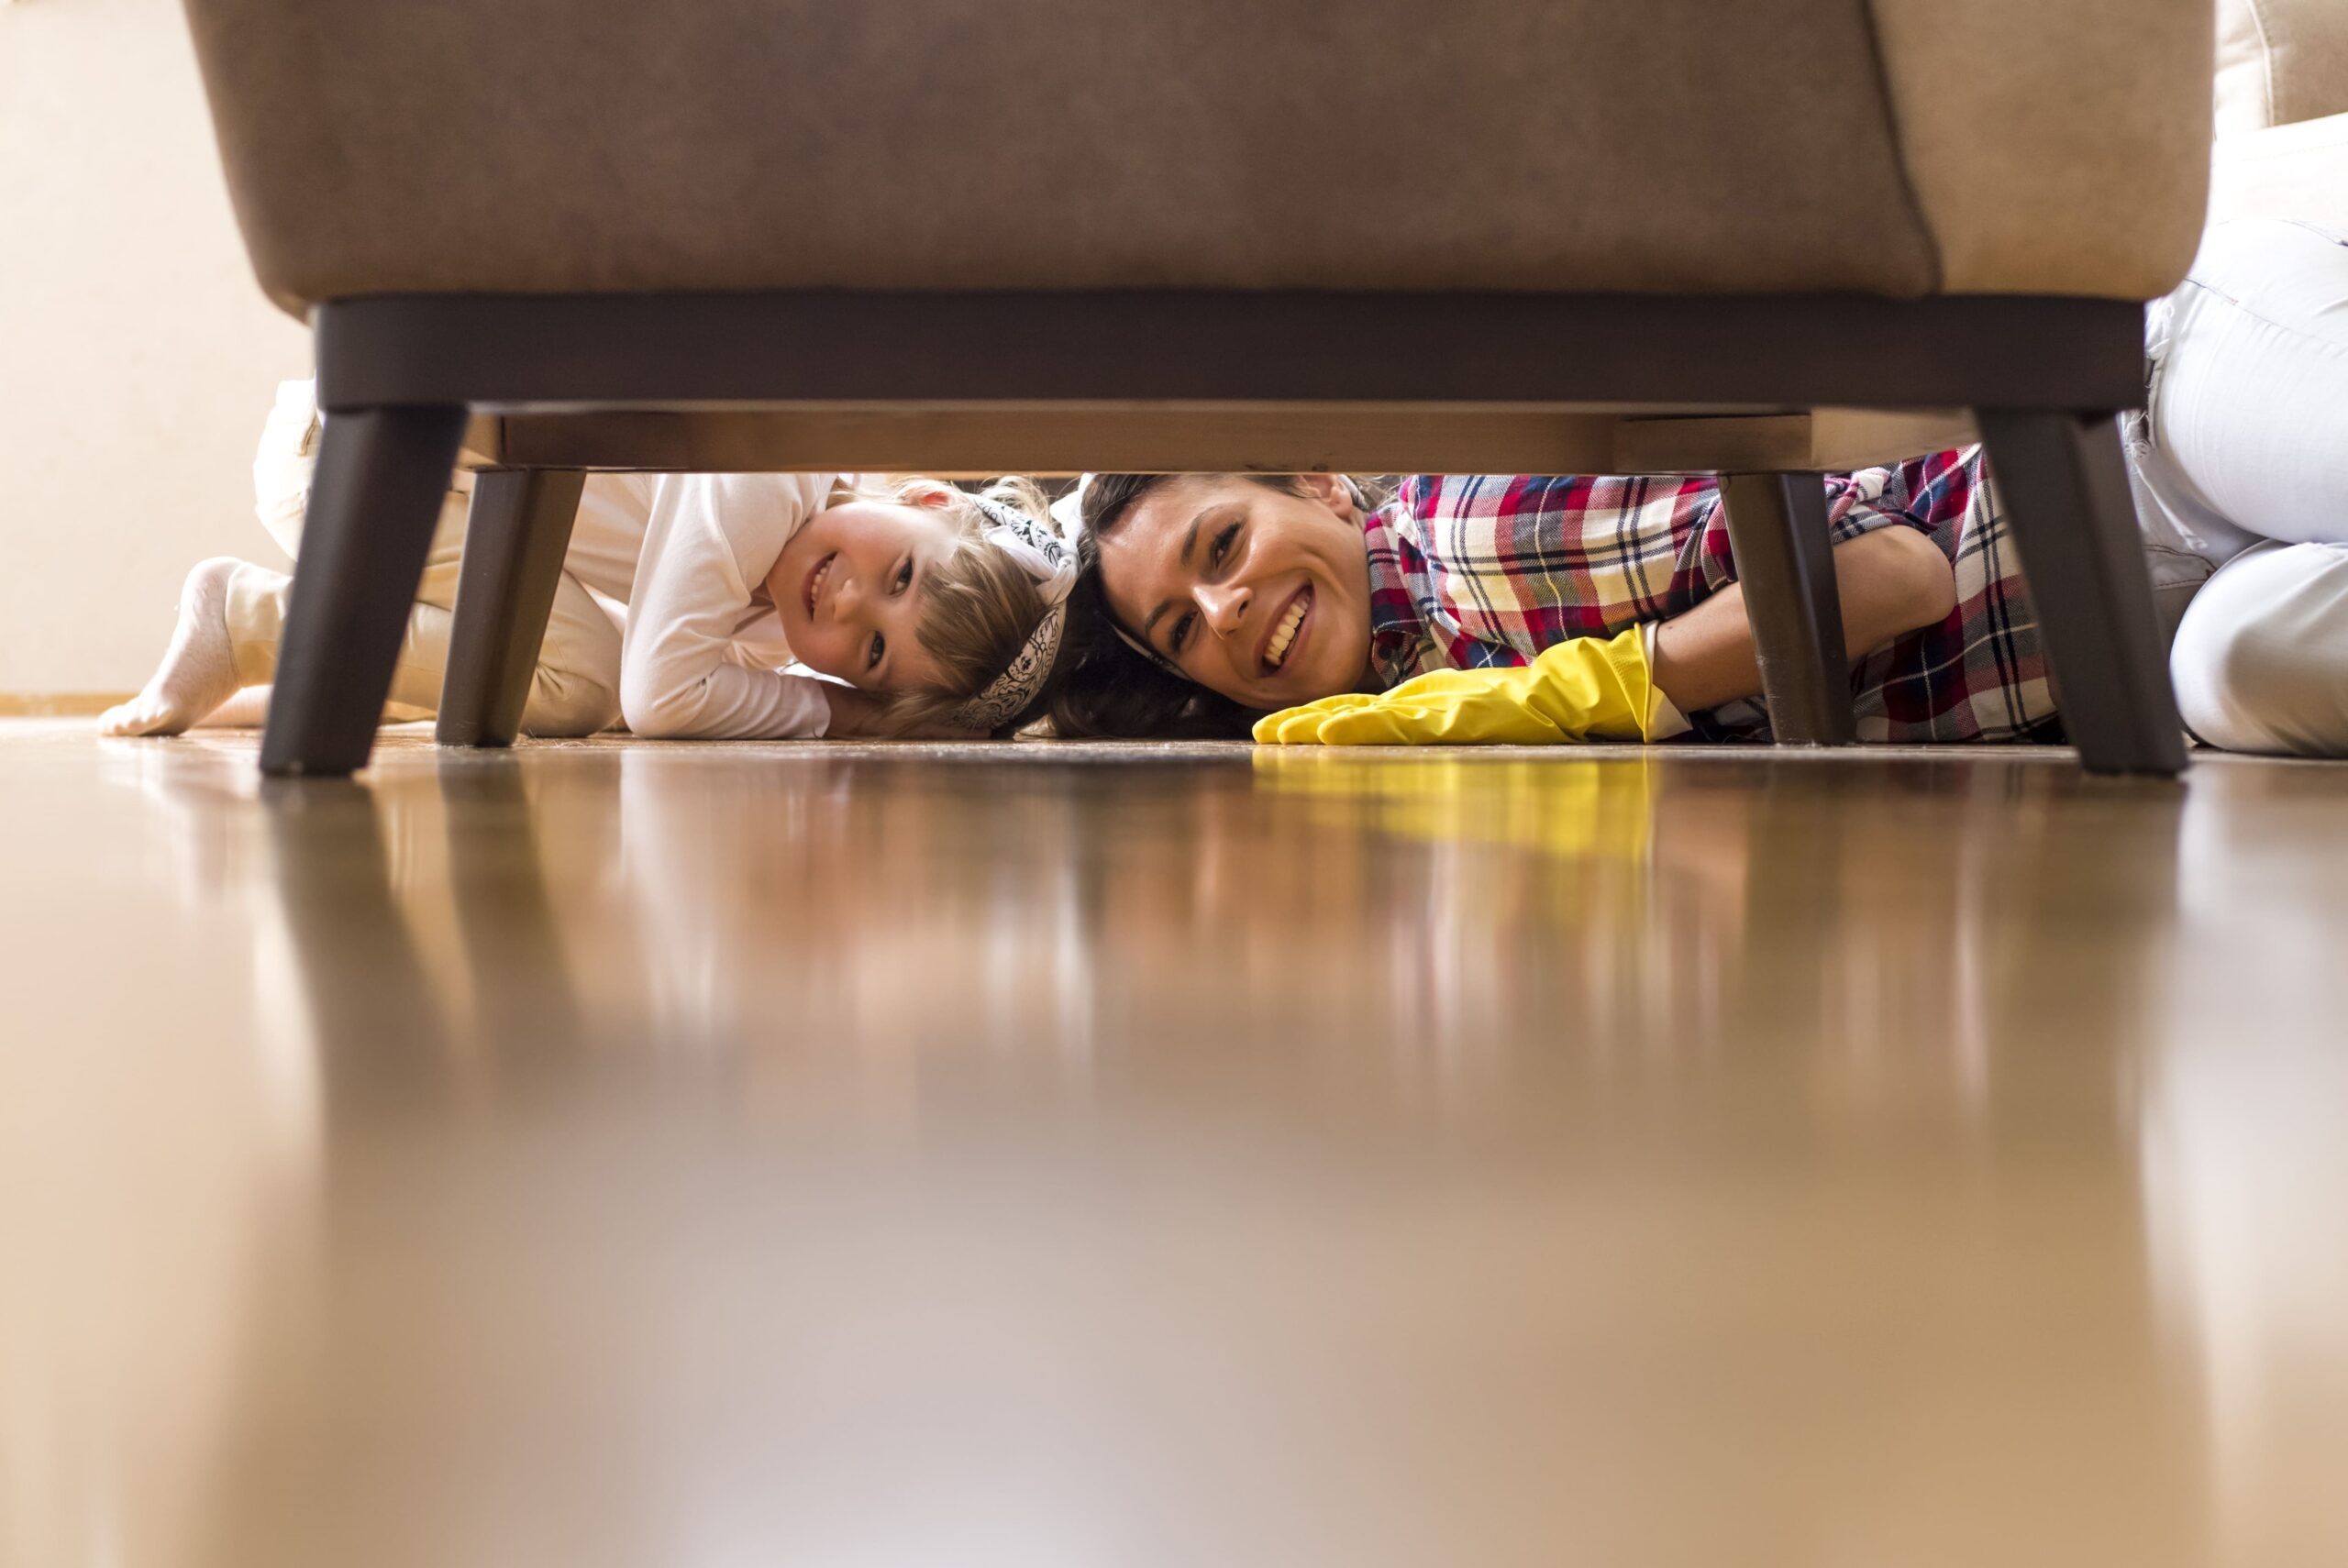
978, 606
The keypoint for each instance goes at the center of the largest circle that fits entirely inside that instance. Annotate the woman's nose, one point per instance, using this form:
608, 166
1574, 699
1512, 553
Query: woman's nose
1223, 604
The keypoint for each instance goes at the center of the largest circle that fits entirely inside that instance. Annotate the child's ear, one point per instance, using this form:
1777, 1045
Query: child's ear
932, 496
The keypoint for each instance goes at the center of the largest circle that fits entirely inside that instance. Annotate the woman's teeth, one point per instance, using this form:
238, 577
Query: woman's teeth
1283, 635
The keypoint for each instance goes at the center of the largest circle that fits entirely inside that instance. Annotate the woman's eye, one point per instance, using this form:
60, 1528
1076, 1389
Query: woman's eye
1183, 630
904, 576
1222, 544
879, 647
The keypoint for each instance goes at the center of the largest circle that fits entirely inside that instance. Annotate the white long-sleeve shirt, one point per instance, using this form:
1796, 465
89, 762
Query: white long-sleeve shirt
702, 652
686, 555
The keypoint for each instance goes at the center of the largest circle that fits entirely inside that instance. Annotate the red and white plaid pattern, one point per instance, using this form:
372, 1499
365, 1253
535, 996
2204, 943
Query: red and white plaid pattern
1475, 570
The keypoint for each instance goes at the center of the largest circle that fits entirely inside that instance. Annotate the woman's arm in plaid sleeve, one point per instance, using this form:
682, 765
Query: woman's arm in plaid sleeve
1891, 580
1923, 493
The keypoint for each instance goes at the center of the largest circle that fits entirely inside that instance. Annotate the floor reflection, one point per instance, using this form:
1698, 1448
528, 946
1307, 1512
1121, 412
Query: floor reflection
603, 1037
735, 1153
2245, 1152
1433, 916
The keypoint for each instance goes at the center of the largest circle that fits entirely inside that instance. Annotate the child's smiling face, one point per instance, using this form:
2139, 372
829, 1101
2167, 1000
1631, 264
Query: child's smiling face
848, 590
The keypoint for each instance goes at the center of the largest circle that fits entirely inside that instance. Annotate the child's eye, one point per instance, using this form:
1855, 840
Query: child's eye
1221, 546
904, 576
1182, 638
879, 647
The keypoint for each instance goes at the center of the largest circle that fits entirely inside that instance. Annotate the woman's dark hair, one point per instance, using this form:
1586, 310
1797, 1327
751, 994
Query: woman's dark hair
1110, 691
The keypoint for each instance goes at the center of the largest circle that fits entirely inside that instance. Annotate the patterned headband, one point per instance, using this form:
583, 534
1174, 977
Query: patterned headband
1051, 565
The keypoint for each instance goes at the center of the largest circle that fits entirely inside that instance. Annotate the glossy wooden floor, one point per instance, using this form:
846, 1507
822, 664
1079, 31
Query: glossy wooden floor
633, 1154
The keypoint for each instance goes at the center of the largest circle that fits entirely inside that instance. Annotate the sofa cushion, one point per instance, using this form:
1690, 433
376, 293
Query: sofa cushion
1671, 146
2280, 62
2055, 145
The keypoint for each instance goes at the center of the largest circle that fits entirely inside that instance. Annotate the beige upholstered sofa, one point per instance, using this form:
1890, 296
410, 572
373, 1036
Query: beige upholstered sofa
2282, 112
2279, 63
1765, 238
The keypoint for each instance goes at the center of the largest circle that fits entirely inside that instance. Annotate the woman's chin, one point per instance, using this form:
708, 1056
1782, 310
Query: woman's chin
1272, 696
1328, 675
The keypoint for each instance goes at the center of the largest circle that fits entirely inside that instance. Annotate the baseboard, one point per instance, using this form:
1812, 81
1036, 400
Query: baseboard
57, 704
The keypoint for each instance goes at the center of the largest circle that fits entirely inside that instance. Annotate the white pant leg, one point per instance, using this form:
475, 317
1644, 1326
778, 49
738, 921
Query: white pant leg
575, 689
2246, 431
2244, 440
2261, 659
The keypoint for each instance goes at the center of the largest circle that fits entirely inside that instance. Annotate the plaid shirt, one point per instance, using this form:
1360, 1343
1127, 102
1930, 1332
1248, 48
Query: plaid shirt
1474, 570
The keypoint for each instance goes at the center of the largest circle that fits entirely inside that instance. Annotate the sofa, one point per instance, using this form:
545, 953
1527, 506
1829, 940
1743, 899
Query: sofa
1760, 239
2281, 112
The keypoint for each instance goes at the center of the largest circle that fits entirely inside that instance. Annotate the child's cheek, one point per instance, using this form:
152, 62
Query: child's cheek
822, 658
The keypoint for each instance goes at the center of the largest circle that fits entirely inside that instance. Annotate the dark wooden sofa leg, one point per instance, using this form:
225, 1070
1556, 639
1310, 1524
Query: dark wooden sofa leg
515, 536
373, 502
1777, 527
2064, 485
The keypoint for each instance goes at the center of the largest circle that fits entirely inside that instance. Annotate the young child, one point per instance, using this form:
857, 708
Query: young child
682, 597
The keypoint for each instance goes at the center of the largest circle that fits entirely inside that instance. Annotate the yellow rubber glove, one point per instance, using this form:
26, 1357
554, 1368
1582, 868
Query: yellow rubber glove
1583, 689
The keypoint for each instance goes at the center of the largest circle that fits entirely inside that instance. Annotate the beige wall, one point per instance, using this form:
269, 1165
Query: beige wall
137, 358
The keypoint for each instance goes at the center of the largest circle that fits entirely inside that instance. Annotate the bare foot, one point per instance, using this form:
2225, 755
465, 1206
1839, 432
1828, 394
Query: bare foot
199, 669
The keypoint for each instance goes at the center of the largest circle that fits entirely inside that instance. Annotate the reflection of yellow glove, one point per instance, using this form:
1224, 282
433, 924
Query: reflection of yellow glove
1583, 689
1587, 808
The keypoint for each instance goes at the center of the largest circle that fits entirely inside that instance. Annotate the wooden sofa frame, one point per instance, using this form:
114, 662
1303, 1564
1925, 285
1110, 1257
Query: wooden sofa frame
1768, 391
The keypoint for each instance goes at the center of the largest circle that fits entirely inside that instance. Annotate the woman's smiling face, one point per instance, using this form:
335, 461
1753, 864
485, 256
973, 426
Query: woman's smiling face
1253, 592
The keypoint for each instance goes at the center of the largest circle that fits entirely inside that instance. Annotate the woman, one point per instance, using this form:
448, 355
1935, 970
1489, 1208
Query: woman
1563, 608
2241, 463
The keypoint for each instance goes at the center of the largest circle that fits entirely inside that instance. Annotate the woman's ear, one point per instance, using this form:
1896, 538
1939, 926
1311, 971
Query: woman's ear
1334, 491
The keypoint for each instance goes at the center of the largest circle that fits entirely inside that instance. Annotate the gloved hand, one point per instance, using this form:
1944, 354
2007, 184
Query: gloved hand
1583, 689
